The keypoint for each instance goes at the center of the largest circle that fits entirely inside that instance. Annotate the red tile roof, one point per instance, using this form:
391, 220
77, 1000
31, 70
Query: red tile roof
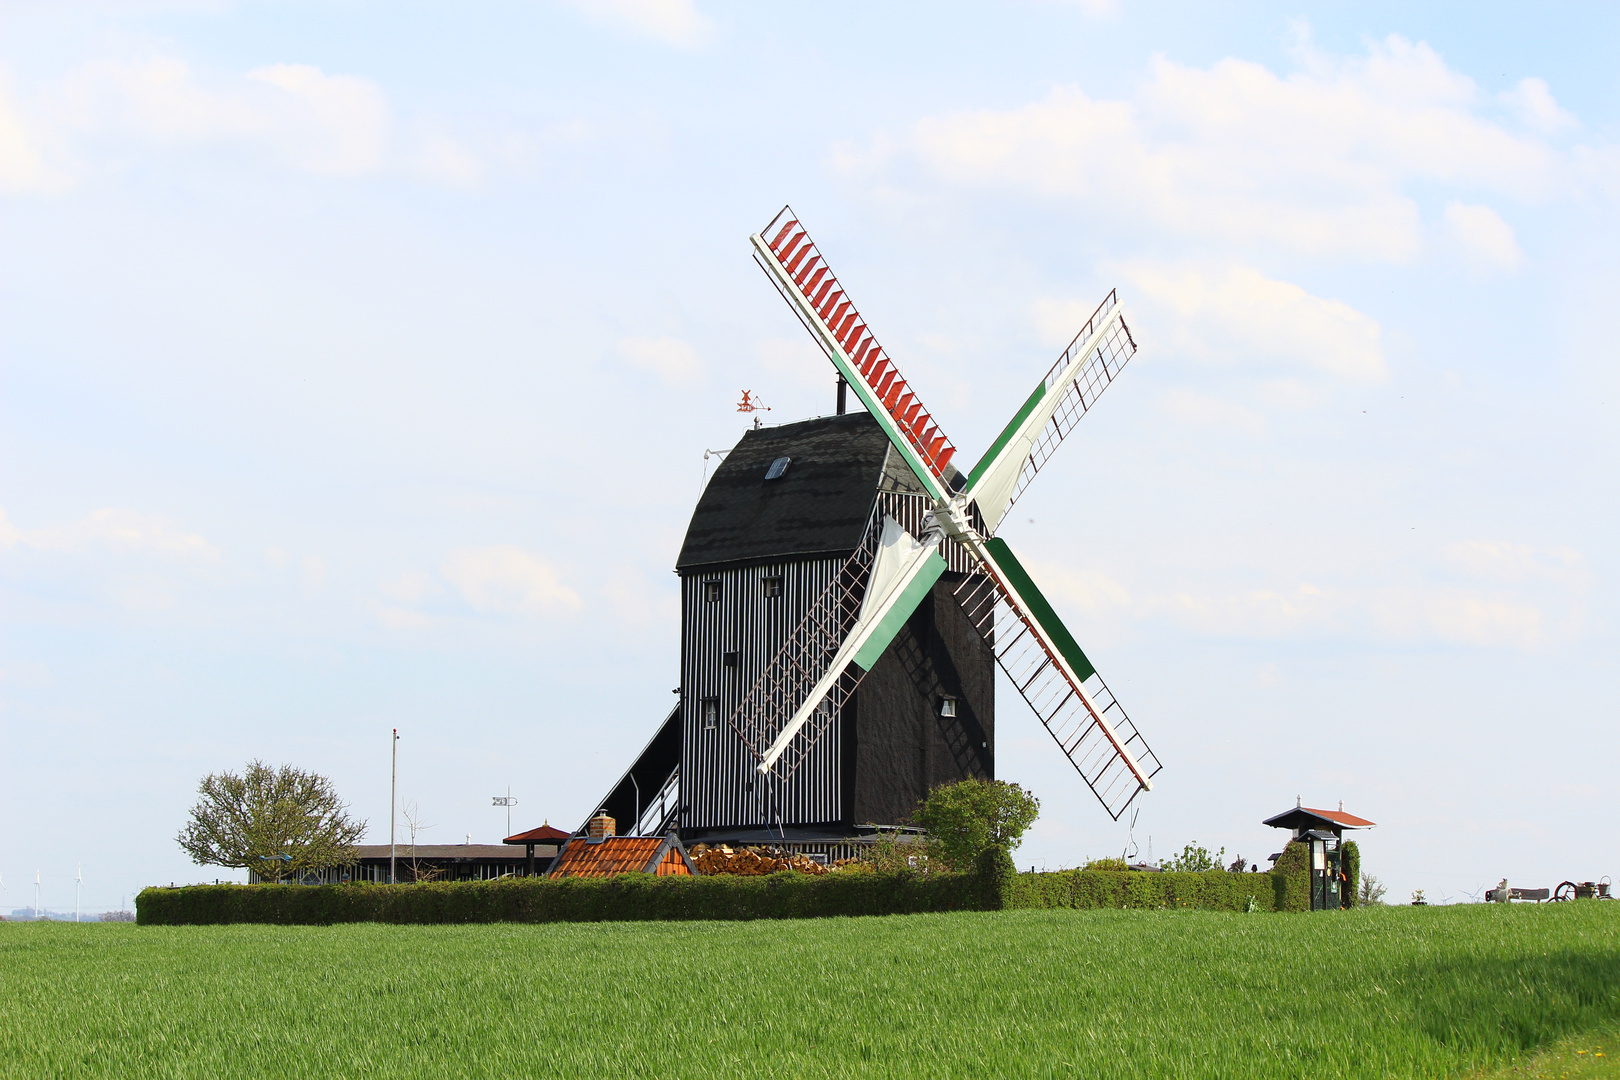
1341, 817
545, 834
620, 855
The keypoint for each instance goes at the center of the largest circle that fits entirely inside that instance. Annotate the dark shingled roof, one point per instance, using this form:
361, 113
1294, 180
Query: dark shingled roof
818, 507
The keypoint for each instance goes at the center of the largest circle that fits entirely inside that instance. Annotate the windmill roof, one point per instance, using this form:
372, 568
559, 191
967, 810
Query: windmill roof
819, 506
544, 834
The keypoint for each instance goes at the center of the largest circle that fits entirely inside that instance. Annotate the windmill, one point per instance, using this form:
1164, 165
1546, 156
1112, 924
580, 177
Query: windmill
895, 566
846, 601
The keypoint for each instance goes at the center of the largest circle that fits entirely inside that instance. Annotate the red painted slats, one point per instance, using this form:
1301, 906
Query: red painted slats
896, 388
882, 388
876, 368
858, 357
777, 243
794, 265
944, 459
804, 274
808, 287
832, 312
901, 402
849, 330
816, 303
798, 243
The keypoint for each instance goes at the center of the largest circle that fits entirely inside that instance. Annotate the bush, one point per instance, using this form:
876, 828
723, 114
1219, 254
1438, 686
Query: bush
965, 819
1194, 859
1214, 890
626, 897
1350, 864
994, 885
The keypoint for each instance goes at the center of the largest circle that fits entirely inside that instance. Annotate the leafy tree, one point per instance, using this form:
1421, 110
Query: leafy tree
277, 822
1372, 892
971, 816
1194, 858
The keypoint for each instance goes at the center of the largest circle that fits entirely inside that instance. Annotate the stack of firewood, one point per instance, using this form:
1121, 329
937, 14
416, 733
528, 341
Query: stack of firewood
750, 861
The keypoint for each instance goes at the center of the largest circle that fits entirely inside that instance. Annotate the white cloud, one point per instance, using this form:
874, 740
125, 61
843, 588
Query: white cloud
672, 361
1193, 408
22, 161
1094, 9
110, 529
1534, 104
675, 22
505, 578
1236, 315
1496, 561
296, 115
1316, 160
327, 123
1483, 234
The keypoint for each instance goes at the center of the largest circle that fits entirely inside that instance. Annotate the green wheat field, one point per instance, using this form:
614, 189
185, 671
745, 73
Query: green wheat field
1385, 992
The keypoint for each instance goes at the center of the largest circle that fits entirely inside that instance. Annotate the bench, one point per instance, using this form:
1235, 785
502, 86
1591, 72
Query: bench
1537, 895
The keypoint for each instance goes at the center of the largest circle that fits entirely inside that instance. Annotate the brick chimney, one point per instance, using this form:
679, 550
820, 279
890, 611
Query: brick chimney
600, 827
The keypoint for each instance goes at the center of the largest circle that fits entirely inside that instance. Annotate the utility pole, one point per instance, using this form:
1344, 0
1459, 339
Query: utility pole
78, 883
393, 802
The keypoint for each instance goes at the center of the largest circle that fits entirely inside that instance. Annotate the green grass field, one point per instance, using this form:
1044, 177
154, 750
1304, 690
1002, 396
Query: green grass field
1464, 991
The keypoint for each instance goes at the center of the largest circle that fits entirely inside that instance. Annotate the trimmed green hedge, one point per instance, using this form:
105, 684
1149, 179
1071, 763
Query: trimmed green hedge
1216, 890
629, 896
1350, 863
994, 885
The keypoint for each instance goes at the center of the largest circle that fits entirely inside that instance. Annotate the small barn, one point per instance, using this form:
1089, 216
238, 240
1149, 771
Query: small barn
602, 854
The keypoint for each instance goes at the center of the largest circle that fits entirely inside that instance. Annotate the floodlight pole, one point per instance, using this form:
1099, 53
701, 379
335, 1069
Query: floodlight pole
78, 883
393, 803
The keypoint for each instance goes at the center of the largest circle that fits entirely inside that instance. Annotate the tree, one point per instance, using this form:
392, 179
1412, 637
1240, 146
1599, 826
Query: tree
1371, 893
277, 822
969, 817
1194, 858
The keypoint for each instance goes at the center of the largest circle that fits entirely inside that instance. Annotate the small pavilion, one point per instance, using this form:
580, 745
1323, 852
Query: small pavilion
546, 838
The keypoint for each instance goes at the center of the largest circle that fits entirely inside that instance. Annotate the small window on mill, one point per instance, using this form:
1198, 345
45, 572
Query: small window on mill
778, 467
947, 706
711, 591
772, 586
711, 713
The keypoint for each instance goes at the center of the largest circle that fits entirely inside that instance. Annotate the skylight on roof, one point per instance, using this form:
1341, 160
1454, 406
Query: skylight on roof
778, 467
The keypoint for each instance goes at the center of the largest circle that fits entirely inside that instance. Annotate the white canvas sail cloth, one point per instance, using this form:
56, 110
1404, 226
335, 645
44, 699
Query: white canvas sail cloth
903, 570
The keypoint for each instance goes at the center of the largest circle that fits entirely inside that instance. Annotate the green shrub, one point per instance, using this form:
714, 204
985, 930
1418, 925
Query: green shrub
1293, 876
784, 895
1350, 863
1214, 890
965, 819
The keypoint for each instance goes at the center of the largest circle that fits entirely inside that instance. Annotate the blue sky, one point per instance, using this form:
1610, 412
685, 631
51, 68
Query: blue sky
358, 362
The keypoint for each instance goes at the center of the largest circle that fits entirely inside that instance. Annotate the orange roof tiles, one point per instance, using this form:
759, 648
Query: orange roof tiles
545, 834
620, 855
1341, 817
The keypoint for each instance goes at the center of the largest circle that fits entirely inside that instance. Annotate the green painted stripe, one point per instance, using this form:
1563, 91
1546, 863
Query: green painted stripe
1007, 434
910, 597
1039, 609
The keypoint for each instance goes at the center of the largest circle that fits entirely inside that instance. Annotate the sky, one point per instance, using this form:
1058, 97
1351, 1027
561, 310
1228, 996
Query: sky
358, 362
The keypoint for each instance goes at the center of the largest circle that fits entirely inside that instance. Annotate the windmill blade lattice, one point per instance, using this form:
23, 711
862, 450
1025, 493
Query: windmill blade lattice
1090, 727
809, 285
1108, 357
807, 655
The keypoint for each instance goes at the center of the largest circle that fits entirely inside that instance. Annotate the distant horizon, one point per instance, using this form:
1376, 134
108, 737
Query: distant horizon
360, 363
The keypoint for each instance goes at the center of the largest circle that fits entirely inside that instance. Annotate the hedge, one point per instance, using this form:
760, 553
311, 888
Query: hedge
994, 885
629, 896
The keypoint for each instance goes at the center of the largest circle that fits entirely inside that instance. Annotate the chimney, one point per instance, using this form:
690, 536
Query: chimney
600, 827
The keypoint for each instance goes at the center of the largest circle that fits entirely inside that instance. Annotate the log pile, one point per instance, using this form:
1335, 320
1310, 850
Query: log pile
750, 861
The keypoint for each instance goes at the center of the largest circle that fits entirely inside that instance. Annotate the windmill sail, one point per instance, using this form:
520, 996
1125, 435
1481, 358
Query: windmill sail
803, 277
1056, 678
1098, 353
827, 655
836, 643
